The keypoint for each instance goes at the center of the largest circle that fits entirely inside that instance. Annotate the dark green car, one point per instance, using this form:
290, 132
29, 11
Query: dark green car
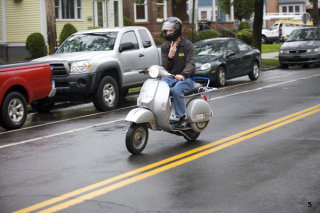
221, 59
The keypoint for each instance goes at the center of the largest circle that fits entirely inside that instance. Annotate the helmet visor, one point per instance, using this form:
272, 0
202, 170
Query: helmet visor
168, 26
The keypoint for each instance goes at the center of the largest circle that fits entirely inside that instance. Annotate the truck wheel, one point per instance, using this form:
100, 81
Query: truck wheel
137, 138
42, 105
264, 39
13, 111
107, 96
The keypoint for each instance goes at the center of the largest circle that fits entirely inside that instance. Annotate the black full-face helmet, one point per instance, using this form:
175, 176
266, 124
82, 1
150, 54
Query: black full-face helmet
172, 23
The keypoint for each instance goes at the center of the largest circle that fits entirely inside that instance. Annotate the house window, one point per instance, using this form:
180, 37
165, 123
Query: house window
140, 11
68, 9
203, 15
284, 9
161, 10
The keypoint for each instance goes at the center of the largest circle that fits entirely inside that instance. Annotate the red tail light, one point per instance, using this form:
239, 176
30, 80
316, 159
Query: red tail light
205, 98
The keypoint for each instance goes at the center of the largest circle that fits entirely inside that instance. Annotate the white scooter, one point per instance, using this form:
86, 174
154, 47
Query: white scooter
155, 111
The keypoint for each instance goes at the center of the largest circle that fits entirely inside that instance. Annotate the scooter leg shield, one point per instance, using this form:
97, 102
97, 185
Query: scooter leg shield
140, 115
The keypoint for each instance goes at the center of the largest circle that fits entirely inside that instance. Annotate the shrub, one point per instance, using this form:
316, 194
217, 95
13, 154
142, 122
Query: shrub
246, 35
68, 30
244, 25
206, 34
35, 44
127, 21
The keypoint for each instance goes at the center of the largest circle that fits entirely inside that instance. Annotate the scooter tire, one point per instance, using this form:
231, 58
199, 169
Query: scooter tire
137, 138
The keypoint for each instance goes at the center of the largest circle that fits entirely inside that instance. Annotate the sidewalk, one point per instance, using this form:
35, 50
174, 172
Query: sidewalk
274, 55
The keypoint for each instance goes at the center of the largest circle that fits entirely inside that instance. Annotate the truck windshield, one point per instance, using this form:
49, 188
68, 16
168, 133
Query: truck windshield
89, 42
305, 35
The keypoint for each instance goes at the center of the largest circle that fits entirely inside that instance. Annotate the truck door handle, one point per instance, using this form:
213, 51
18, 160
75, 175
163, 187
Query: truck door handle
141, 55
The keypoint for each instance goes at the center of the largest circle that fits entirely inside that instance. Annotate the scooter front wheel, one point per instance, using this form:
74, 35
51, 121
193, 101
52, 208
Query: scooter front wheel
137, 138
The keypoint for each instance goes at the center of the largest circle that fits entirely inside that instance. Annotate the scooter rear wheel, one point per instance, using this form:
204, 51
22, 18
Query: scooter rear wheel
137, 138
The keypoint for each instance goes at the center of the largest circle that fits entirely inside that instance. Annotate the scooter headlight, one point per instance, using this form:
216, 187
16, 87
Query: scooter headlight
154, 71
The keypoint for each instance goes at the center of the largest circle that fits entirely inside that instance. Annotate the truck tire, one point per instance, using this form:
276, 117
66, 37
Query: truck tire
42, 105
13, 111
264, 39
107, 95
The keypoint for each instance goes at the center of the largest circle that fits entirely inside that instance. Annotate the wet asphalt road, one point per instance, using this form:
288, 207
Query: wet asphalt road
78, 150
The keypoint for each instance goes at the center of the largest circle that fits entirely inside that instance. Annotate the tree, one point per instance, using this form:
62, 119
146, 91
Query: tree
242, 8
257, 24
315, 13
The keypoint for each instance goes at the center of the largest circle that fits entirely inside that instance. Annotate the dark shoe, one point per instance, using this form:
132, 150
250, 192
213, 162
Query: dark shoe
182, 123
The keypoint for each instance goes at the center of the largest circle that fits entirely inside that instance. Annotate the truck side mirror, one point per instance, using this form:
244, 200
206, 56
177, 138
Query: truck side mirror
126, 46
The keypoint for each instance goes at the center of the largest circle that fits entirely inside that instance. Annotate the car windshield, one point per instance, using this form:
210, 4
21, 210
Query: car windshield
305, 35
212, 49
89, 42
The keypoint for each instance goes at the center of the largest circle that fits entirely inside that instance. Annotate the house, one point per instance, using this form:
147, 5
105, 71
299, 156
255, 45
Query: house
284, 9
209, 12
20, 18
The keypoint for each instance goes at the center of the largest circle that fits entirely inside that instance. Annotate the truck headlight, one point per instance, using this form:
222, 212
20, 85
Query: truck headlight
205, 66
80, 67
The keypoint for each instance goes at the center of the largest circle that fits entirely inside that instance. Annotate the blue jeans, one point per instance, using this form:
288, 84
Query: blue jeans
178, 90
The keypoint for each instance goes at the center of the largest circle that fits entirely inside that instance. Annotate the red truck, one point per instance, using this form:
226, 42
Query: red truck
21, 84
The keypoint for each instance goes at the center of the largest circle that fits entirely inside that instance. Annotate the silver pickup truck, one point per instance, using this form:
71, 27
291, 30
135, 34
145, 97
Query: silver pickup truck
100, 65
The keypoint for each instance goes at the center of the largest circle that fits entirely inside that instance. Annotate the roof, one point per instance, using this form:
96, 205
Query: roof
204, 3
102, 30
291, 1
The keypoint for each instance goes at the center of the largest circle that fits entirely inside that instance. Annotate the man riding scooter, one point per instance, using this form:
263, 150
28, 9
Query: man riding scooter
178, 58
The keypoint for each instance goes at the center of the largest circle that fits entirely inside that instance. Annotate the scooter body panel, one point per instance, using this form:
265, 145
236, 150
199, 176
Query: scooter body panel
141, 115
198, 110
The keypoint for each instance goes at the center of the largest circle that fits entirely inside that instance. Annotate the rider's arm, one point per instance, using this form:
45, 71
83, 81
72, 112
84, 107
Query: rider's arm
167, 62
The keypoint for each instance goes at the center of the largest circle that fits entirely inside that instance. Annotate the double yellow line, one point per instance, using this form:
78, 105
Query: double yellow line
111, 184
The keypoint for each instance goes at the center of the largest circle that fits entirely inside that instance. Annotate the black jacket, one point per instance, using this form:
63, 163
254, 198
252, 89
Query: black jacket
183, 61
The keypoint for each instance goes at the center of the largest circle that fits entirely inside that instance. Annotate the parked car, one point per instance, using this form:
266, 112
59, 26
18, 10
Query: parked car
22, 84
101, 65
220, 59
301, 48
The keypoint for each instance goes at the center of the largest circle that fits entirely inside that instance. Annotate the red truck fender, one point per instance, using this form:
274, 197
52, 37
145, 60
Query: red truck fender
16, 81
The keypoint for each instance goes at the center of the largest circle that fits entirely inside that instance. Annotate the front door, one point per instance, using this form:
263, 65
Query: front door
107, 13
101, 13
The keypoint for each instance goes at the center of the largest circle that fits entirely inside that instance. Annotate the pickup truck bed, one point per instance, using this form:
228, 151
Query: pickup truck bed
21, 84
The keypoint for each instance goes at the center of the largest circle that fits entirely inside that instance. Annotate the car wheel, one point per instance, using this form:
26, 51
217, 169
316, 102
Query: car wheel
255, 72
13, 111
107, 95
42, 105
220, 80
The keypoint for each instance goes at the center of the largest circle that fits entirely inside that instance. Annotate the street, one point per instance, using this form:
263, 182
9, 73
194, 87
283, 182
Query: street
260, 153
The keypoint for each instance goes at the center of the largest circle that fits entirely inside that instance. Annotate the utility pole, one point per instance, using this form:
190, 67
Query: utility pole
192, 23
51, 26
315, 13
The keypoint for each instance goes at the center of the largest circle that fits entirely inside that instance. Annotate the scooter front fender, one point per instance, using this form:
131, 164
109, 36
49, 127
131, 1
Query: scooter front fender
141, 115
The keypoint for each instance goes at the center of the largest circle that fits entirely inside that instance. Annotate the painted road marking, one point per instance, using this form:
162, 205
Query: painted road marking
110, 122
111, 184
